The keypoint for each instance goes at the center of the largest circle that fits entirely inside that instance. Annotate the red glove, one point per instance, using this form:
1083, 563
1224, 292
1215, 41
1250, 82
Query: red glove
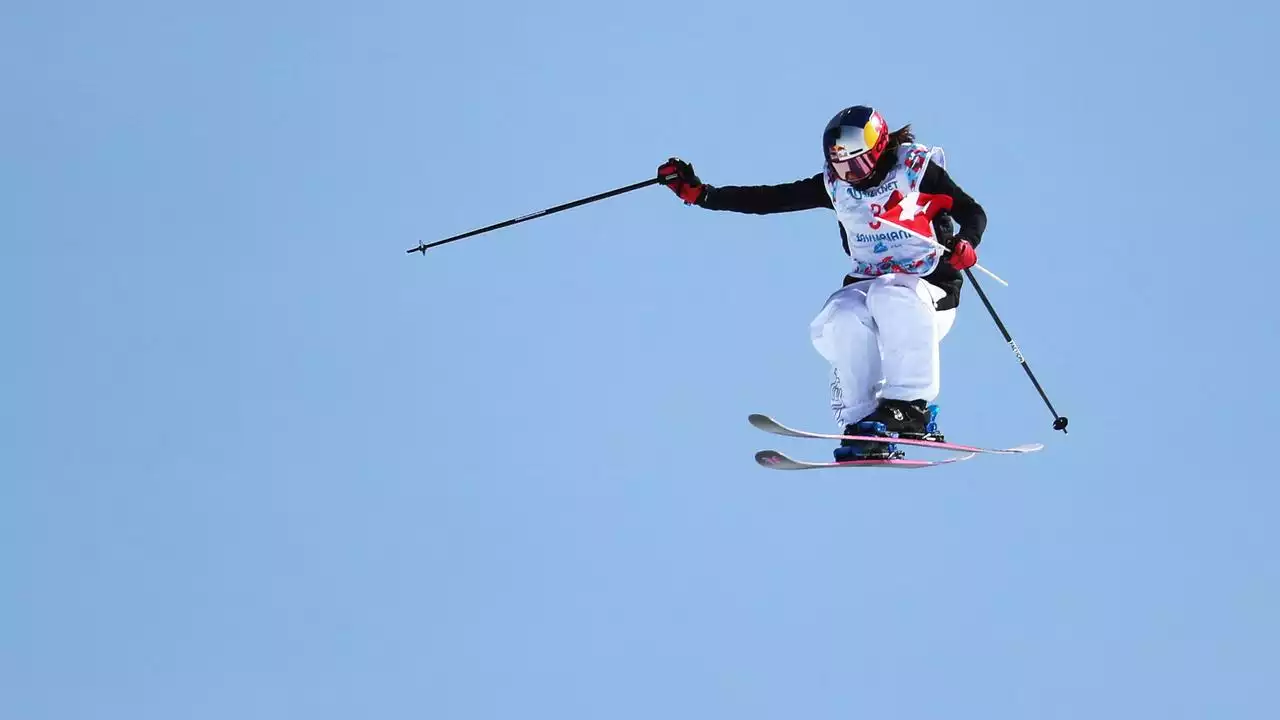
963, 256
679, 176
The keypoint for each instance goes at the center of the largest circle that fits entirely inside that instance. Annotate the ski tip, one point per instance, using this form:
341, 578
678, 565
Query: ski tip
771, 458
775, 460
767, 424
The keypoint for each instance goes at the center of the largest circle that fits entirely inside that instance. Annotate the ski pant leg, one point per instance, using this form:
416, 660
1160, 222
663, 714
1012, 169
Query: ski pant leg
910, 331
844, 333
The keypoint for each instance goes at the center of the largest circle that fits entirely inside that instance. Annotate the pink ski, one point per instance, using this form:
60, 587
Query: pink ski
769, 425
777, 461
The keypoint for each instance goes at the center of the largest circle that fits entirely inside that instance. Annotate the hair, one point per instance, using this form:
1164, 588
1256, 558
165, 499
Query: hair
901, 136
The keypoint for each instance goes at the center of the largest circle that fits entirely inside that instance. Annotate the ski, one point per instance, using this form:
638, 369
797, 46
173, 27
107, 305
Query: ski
769, 425
775, 460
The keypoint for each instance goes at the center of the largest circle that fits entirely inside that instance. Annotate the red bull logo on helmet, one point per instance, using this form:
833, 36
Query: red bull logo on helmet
875, 133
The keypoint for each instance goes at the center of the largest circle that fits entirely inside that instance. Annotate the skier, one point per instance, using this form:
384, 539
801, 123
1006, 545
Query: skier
881, 331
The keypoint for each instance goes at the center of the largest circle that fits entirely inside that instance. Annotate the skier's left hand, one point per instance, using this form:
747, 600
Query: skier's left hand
963, 256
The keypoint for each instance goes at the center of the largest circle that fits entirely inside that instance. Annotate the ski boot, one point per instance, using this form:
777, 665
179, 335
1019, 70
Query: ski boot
915, 420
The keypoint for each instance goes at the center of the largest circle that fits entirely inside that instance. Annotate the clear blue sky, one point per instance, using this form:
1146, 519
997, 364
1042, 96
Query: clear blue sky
258, 462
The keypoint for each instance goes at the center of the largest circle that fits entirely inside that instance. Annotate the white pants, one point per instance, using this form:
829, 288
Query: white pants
881, 337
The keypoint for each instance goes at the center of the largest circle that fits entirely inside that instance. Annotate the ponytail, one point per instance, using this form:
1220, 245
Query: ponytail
901, 136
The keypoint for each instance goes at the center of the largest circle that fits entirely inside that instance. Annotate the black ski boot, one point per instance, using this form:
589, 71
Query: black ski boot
916, 420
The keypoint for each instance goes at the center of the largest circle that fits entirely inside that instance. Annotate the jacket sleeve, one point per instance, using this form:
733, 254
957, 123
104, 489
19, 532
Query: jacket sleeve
807, 194
964, 209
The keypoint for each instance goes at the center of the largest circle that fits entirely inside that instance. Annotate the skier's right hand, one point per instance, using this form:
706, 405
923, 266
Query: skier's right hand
962, 255
679, 176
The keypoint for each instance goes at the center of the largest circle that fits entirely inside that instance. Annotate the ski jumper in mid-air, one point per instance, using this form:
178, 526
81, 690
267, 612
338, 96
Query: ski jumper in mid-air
895, 203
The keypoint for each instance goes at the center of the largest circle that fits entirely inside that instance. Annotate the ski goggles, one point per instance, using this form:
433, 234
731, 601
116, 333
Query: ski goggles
855, 168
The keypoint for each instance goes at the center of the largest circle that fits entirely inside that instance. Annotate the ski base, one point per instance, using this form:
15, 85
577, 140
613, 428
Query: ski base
769, 425
775, 460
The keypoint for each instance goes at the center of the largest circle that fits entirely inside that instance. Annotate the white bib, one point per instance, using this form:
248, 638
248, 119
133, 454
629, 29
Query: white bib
877, 247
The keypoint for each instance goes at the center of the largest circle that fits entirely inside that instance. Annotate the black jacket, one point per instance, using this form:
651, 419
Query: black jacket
811, 193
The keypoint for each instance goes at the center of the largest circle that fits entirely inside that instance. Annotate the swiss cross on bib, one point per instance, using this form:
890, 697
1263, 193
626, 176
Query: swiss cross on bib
914, 212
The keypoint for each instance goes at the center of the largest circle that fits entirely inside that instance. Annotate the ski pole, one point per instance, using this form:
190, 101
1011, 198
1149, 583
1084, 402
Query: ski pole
423, 247
1059, 422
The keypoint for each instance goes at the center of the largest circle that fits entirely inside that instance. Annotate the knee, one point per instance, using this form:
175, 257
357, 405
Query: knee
840, 325
851, 317
894, 295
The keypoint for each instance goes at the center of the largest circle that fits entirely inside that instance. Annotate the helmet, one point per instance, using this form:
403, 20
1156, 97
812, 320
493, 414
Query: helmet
853, 141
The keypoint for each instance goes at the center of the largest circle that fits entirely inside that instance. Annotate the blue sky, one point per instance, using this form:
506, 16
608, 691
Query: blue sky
260, 463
